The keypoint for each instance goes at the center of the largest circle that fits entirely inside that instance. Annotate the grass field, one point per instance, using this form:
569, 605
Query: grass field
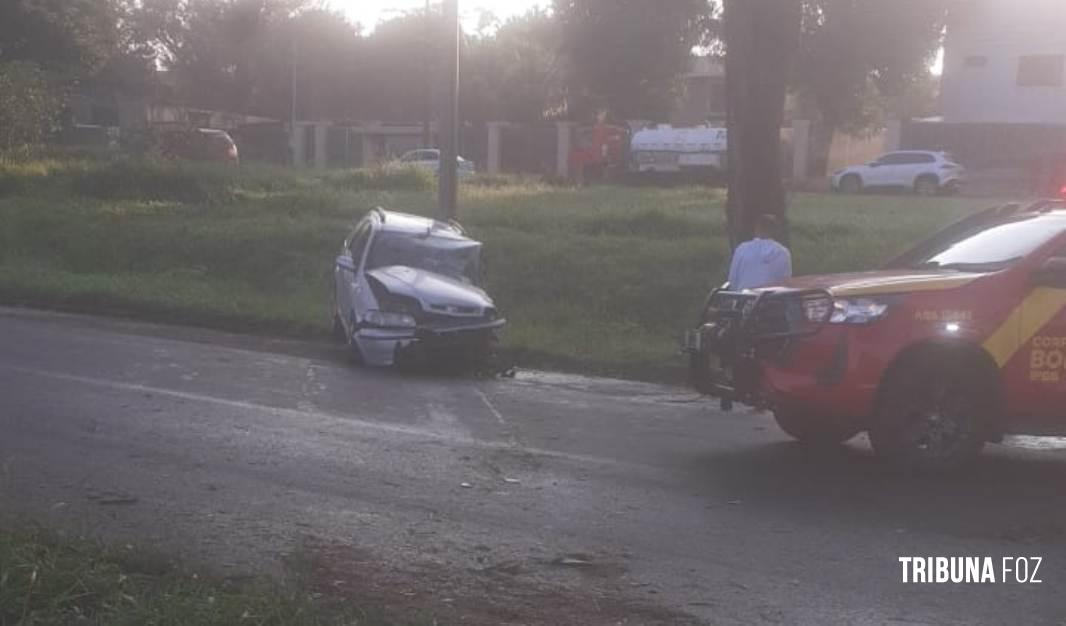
47, 579
600, 279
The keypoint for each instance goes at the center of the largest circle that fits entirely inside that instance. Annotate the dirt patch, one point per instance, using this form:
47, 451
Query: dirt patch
506, 593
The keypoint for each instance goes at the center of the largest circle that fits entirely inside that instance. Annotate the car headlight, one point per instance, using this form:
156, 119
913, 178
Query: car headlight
858, 311
388, 319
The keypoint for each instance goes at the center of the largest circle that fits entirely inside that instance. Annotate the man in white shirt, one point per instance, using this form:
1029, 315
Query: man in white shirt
761, 262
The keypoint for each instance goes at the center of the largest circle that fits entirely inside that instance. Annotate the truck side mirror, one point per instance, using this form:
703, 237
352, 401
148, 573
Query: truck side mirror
1052, 273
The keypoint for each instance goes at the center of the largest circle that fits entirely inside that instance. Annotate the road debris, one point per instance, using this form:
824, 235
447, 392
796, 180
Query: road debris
573, 560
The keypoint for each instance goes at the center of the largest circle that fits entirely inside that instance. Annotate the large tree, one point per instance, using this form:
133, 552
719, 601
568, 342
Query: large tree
628, 55
859, 56
513, 73
760, 39
60, 36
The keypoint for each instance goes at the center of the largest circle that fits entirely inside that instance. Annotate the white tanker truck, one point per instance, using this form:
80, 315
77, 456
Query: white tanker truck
664, 149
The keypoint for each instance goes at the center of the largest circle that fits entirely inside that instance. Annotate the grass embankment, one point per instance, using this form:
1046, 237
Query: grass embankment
46, 580
601, 279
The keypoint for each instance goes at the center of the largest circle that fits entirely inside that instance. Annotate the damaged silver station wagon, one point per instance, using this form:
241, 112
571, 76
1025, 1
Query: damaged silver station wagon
408, 289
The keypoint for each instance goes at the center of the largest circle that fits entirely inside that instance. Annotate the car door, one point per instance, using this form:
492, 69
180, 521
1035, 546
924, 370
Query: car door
879, 172
1041, 389
918, 163
430, 159
347, 270
898, 169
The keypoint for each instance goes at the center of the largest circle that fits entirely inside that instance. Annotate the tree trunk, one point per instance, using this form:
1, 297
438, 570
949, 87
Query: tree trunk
761, 37
822, 134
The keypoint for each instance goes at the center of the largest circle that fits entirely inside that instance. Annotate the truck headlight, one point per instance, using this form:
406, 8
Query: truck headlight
858, 311
817, 309
387, 319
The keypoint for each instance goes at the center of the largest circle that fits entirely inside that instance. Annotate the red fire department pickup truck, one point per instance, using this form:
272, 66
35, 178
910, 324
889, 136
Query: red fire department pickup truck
955, 343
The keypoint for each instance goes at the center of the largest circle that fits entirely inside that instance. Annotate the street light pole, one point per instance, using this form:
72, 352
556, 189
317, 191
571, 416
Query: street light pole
427, 90
449, 131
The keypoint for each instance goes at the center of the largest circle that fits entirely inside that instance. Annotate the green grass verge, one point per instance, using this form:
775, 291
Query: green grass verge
45, 580
601, 279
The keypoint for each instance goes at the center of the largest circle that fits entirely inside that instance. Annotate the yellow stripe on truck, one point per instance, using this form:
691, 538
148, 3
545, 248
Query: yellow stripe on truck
1024, 322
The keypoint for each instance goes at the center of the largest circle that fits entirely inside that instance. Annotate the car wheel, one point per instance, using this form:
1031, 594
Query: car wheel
851, 183
933, 412
927, 186
815, 430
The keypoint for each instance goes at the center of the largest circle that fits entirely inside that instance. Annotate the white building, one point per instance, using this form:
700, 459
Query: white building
1005, 62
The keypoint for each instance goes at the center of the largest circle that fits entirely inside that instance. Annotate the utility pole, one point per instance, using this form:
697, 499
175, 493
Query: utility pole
449, 127
427, 88
293, 143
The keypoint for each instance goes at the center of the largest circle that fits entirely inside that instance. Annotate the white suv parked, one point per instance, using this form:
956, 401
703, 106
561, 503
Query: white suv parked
926, 173
430, 159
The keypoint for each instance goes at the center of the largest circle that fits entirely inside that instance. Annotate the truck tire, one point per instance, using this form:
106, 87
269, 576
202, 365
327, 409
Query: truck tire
815, 430
934, 412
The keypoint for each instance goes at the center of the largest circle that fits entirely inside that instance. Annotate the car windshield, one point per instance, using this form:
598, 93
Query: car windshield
989, 247
456, 258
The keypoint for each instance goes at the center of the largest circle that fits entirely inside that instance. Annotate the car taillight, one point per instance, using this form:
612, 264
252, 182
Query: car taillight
1062, 192
232, 152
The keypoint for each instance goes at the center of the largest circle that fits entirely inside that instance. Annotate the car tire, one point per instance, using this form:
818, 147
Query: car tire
851, 183
927, 185
934, 412
814, 430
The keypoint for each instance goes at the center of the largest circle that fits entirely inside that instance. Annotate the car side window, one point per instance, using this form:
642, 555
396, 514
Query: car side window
923, 158
894, 159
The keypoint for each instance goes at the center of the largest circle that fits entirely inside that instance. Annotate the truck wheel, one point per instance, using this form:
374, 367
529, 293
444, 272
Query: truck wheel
933, 412
814, 430
927, 186
851, 184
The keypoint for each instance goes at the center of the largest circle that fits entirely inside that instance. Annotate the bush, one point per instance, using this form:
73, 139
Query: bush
29, 105
152, 180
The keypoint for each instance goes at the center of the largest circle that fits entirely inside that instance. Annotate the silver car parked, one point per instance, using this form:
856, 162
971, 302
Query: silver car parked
408, 288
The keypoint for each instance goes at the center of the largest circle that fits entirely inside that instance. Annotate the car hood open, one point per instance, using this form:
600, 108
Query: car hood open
436, 292
884, 282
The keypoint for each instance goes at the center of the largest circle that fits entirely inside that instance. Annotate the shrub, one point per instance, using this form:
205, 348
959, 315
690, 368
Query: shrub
153, 180
29, 105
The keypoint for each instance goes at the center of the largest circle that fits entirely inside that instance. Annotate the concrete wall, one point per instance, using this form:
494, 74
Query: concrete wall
985, 42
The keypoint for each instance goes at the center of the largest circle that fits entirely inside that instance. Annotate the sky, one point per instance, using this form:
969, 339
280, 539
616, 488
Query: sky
370, 12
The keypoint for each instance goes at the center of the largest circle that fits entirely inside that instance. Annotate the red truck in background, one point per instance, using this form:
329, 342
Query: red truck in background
600, 151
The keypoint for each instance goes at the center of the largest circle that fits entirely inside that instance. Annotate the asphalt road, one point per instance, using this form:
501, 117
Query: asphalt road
487, 499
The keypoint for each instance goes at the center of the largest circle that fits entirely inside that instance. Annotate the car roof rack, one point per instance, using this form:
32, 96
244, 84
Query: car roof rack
380, 213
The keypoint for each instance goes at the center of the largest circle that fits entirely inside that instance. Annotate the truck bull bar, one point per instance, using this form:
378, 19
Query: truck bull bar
740, 329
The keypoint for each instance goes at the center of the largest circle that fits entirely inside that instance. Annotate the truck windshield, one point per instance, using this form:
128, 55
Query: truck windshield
458, 259
990, 247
